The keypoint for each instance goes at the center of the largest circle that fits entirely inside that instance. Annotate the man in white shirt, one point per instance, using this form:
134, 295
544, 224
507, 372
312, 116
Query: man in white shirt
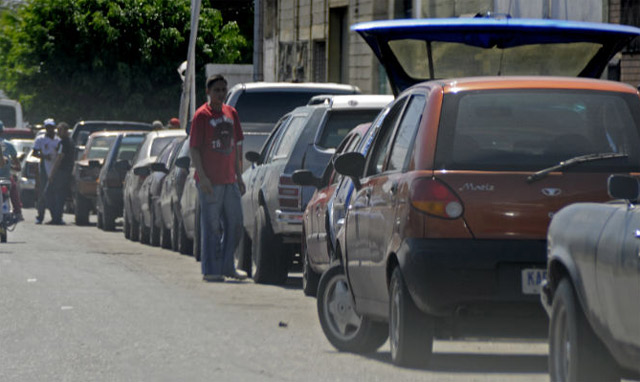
45, 148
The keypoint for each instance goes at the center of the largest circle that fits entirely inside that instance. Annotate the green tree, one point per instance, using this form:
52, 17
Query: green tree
106, 59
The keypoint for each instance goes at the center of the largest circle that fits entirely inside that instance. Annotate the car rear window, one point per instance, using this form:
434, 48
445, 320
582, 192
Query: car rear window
159, 144
100, 147
269, 106
512, 130
8, 115
129, 147
339, 122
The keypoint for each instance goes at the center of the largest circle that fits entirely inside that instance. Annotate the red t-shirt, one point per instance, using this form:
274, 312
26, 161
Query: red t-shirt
216, 135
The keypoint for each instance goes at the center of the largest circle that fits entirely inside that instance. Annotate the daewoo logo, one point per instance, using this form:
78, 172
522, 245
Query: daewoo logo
551, 191
477, 187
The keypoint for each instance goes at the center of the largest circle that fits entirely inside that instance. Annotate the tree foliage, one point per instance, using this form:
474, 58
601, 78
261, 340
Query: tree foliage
106, 59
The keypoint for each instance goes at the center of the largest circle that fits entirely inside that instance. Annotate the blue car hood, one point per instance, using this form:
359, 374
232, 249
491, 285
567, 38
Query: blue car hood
416, 50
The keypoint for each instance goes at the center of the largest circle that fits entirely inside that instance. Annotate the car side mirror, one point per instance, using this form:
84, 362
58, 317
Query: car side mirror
159, 167
252, 157
623, 187
95, 164
183, 162
123, 165
350, 164
142, 171
305, 178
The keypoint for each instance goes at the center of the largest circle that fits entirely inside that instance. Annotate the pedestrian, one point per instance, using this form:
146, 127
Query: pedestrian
216, 152
174, 123
157, 125
61, 175
45, 148
9, 156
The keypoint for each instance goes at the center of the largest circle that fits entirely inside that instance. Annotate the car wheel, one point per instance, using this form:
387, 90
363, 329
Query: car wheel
165, 238
268, 257
144, 230
154, 233
410, 330
242, 254
310, 278
576, 354
108, 219
341, 324
126, 224
184, 243
174, 234
81, 210
3, 236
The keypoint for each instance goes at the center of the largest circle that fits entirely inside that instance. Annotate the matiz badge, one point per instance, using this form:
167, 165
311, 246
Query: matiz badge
551, 191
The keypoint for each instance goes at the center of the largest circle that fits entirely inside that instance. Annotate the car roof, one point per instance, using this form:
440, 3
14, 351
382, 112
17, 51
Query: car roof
110, 122
292, 87
598, 42
360, 101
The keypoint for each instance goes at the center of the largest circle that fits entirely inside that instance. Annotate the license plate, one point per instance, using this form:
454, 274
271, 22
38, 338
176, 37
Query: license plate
531, 280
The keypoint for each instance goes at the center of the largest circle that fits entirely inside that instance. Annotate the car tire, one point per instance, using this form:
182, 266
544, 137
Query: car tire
310, 278
576, 354
126, 225
268, 257
108, 219
341, 324
175, 245
144, 230
242, 254
81, 210
185, 245
3, 236
154, 233
99, 220
410, 330
165, 238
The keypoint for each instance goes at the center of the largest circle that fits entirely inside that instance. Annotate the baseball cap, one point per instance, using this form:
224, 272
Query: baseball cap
49, 122
174, 121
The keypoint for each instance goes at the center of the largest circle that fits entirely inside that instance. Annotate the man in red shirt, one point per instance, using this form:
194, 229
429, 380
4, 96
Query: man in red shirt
216, 152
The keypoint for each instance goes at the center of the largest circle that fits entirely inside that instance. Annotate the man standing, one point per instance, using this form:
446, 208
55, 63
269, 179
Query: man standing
45, 148
216, 152
9, 151
61, 175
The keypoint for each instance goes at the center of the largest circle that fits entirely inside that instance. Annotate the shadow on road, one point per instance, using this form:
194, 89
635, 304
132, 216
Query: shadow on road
480, 363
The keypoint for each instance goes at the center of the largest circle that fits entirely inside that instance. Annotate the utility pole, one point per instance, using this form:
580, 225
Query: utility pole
188, 98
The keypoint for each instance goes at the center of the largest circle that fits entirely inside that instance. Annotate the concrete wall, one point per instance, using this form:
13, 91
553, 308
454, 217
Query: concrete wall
233, 73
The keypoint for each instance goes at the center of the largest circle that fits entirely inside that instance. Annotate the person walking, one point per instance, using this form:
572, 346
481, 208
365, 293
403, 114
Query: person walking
216, 152
45, 148
61, 175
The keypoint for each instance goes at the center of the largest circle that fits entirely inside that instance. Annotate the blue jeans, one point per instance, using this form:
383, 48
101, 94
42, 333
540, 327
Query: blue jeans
221, 211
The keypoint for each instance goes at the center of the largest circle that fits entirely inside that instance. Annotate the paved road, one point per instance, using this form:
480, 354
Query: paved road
79, 304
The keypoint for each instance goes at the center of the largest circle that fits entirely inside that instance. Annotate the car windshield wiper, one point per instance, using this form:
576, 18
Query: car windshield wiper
573, 161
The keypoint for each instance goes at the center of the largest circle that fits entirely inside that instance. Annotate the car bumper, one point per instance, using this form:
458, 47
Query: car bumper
27, 184
289, 225
87, 189
448, 276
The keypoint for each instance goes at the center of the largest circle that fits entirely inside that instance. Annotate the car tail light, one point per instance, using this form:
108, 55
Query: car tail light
288, 193
435, 198
5, 190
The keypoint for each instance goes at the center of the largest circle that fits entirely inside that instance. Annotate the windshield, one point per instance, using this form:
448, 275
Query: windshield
424, 61
81, 132
100, 147
340, 122
159, 144
513, 130
129, 147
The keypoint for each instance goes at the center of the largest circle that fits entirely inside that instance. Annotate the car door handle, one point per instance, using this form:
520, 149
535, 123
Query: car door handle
394, 188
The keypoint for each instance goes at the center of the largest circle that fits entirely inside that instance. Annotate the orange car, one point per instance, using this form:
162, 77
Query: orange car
445, 234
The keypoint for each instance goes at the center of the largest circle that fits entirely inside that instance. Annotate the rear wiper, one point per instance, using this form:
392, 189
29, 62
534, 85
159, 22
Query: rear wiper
571, 162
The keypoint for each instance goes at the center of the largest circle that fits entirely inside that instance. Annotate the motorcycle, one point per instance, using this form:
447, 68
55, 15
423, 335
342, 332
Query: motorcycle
8, 220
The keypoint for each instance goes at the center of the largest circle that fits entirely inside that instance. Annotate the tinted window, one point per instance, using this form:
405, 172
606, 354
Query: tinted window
340, 122
406, 133
533, 129
289, 137
381, 145
100, 147
8, 115
129, 147
268, 106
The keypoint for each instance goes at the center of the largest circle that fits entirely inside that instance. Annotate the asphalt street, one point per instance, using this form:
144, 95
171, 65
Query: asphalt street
80, 304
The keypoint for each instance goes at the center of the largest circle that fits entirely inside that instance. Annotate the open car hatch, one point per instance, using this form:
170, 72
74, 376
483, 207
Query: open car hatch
417, 50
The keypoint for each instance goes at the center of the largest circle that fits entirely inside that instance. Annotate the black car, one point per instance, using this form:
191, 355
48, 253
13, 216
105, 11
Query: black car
111, 178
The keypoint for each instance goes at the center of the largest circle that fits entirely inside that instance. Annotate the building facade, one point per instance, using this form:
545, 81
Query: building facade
311, 40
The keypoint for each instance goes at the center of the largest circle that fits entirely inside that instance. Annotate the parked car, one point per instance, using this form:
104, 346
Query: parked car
29, 178
170, 196
149, 194
109, 195
23, 146
592, 292
445, 234
11, 115
261, 104
85, 174
152, 145
273, 205
81, 130
318, 224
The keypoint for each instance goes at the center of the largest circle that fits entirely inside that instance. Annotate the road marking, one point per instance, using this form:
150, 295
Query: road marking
32, 280
66, 307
